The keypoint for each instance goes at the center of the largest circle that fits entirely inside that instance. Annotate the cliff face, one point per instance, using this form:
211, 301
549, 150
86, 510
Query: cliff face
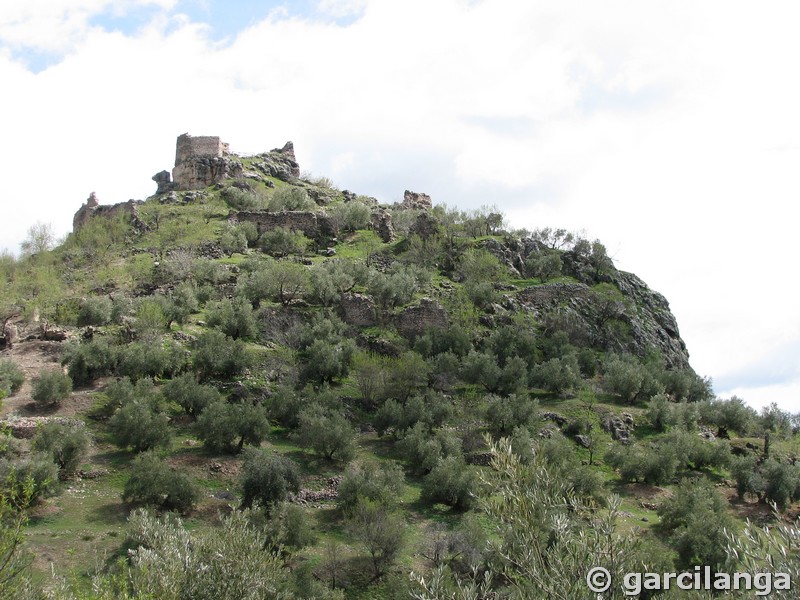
608, 309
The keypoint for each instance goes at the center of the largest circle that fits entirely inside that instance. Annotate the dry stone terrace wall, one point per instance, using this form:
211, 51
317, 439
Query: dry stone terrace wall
314, 225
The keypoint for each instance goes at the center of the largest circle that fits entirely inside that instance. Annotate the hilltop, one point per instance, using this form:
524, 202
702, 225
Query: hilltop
349, 385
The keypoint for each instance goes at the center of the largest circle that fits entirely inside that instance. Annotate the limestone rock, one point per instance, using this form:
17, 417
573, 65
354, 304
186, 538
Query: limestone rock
425, 226
416, 201
93, 208
164, 181
382, 225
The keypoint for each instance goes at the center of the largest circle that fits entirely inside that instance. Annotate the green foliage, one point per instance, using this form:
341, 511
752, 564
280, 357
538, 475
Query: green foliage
216, 355
241, 199
234, 318
381, 484
290, 198
695, 519
558, 375
235, 237
282, 281
11, 378
626, 377
51, 388
424, 450
227, 427
380, 531
30, 477
15, 497
350, 216
431, 409
326, 432
150, 319
544, 265
450, 482
289, 528
137, 425
137, 360
392, 289
67, 444
405, 375
503, 415
153, 482
283, 242
94, 310
267, 478
40, 239
334, 277
729, 415
189, 394
169, 563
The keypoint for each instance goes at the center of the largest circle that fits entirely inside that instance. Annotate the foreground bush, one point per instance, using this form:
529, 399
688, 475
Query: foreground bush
11, 378
67, 444
154, 483
51, 388
267, 478
139, 426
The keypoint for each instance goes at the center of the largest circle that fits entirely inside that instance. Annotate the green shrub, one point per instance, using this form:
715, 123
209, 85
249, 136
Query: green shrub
94, 310
450, 482
290, 198
350, 216
558, 375
267, 478
51, 387
506, 414
423, 450
326, 432
216, 355
378, 483
241, 199
234, 318
226, 427
11, 378
89, 360
142, 359
34, 476
283, 242
137, 425
67, 444
154, 483
189, 394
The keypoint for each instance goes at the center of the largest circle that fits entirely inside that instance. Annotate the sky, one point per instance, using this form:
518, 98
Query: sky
670, 130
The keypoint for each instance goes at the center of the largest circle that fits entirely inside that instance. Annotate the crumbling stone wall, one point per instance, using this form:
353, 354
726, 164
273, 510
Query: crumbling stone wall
93, 208
358, 310
428, 314
208, 146
317, 226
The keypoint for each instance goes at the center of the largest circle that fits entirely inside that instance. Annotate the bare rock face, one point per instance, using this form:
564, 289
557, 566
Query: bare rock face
200, 162
280, 163
428, 314
416, 201
382, 225
164, 181
358, 310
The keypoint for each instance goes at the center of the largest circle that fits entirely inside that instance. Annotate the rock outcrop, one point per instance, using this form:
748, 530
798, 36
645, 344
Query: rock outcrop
358, 310
280, 163
382, 225
417, 201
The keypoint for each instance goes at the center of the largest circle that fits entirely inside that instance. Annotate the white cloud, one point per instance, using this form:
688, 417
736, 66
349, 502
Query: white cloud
667, 129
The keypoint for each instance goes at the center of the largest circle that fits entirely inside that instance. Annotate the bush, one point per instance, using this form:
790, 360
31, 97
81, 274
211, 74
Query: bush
216, 355
190, 395
138, 426
225, 427
558, 375
51, 387
11, 378
326, 432
290, 198
89, 360
350, 216
695, 519
283, 242
150, 359
506, 414
94, 310
450, 482
154, 483
241, 199
34, 476
267, 478
423, 450
381, 532
381, 484
234, 318
67, 444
